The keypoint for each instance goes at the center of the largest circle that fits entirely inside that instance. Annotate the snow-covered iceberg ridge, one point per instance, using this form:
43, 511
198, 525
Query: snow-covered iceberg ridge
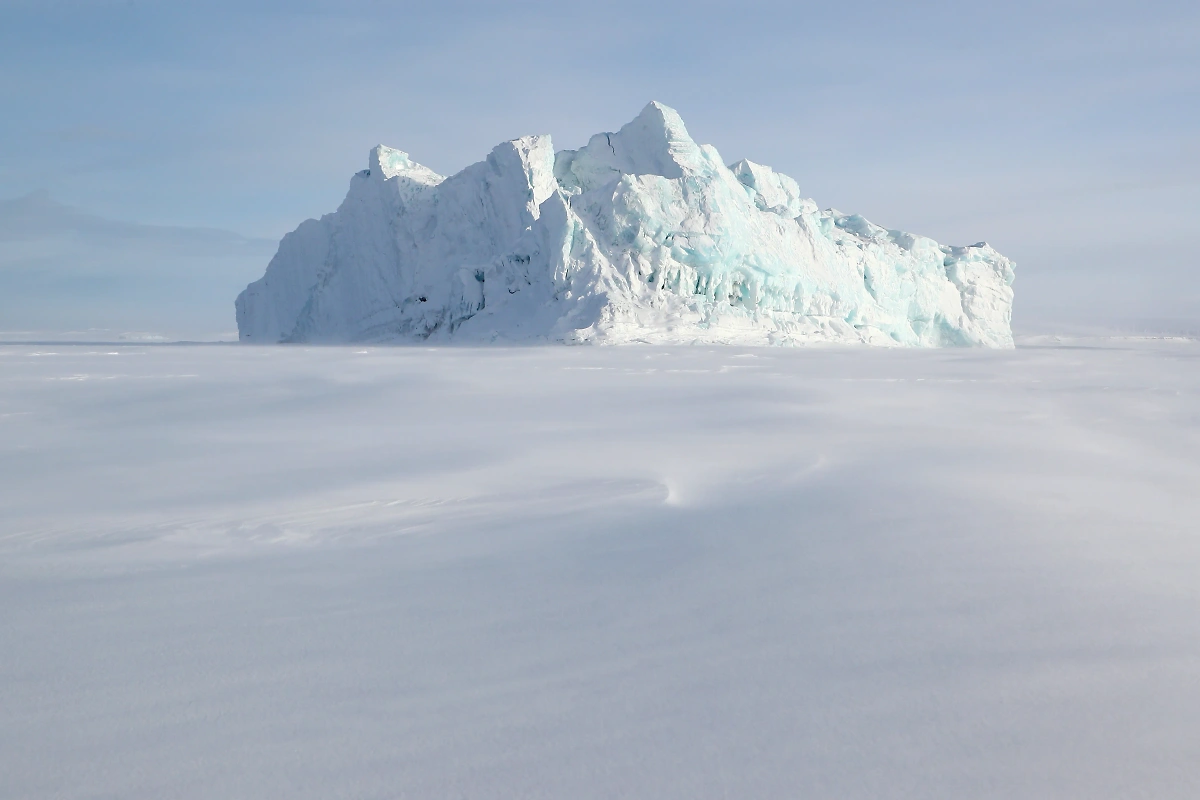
641, 236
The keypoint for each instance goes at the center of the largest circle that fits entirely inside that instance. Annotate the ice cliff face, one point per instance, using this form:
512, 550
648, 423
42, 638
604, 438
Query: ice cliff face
641, 236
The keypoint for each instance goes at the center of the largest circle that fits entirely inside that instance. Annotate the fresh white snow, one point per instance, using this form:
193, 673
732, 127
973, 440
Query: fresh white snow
641, 236
231, 571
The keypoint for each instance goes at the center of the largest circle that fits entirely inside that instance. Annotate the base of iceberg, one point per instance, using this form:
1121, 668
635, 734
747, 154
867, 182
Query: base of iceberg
641, 236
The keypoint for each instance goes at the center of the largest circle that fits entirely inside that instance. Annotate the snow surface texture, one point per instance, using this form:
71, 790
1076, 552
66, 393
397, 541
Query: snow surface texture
641, 236
670, 573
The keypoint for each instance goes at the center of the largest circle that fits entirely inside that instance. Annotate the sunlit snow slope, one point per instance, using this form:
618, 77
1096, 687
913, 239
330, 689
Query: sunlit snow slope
642, 235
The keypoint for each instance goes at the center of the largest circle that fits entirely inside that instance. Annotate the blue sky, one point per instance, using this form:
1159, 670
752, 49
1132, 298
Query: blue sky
1066, 134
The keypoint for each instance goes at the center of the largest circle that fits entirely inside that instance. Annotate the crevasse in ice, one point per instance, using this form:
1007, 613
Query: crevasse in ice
640, 236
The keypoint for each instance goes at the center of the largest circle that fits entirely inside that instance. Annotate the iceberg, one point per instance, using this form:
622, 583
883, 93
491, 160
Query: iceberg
642, 235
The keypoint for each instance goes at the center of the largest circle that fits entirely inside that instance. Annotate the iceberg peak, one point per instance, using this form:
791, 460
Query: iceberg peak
385, 163
642, 235
655, 142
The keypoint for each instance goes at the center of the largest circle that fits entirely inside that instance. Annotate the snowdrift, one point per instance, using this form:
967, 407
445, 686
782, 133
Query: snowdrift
641, 236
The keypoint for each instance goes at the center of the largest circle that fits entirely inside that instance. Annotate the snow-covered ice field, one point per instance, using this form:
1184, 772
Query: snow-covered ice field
236, 572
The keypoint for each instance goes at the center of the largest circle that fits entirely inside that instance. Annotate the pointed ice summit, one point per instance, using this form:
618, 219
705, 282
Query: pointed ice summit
641, 236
